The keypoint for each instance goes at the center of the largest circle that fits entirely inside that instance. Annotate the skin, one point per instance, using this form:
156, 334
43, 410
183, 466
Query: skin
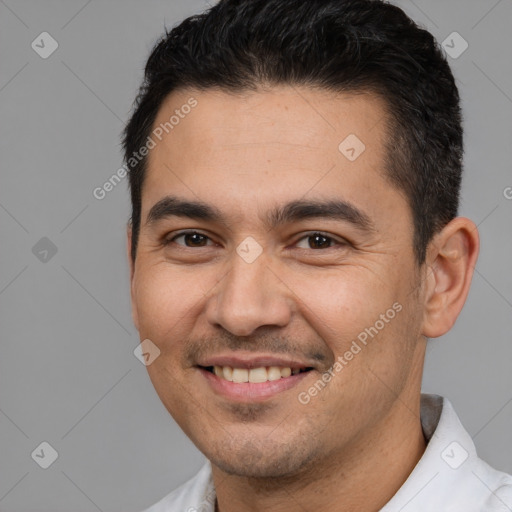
355, 443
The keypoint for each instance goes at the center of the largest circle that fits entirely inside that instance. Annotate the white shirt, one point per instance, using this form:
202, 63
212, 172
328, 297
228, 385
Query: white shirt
449, 477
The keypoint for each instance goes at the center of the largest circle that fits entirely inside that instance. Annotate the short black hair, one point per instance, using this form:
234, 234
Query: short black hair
337, 45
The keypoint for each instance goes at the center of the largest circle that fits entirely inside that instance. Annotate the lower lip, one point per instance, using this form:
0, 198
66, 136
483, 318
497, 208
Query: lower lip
252, 391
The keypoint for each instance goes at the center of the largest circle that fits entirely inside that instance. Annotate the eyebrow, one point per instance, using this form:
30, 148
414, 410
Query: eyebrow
340, 210
171, 206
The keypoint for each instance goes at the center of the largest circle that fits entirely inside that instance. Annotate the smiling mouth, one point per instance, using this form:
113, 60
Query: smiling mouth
254, 375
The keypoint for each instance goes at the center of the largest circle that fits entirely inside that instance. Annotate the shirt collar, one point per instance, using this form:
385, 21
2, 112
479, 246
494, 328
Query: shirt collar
448, 477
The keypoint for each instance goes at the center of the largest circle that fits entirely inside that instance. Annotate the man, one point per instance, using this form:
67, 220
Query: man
294, 242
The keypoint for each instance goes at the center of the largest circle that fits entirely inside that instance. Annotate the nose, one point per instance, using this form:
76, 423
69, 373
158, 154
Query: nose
250, 295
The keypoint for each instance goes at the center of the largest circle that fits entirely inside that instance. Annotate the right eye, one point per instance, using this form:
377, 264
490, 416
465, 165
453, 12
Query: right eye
190, 239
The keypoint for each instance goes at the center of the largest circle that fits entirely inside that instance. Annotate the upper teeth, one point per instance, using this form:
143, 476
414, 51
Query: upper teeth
254, 374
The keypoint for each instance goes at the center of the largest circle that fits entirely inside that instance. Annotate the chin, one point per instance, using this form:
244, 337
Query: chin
261, 460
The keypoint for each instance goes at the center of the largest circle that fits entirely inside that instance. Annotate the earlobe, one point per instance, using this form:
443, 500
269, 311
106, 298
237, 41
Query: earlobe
452, 256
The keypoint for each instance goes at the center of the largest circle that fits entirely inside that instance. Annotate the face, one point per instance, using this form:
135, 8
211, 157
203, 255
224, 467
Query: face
266, 247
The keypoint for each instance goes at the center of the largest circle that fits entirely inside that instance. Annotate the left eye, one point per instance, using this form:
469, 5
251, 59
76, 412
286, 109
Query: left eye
317, 241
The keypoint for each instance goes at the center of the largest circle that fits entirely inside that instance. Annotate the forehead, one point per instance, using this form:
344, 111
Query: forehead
300, 116
279, 144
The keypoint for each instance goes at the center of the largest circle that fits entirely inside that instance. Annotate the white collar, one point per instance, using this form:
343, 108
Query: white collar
449, 477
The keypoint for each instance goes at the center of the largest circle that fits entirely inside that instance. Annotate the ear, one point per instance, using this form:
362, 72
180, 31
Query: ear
135, 315
451, 259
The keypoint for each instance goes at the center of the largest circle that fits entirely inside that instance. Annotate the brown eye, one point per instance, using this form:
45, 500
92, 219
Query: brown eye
317, 241
190, 239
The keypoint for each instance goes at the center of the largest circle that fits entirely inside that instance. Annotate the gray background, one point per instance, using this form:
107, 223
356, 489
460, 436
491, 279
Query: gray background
68, 375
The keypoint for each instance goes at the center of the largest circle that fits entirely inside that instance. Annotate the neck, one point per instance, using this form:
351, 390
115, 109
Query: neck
363, 478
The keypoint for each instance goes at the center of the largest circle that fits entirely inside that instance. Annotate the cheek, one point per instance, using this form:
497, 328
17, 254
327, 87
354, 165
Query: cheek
342, 303
366, 322
164, 299
165, 302
369, 329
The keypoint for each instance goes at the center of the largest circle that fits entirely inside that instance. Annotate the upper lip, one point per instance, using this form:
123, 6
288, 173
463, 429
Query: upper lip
253, 361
